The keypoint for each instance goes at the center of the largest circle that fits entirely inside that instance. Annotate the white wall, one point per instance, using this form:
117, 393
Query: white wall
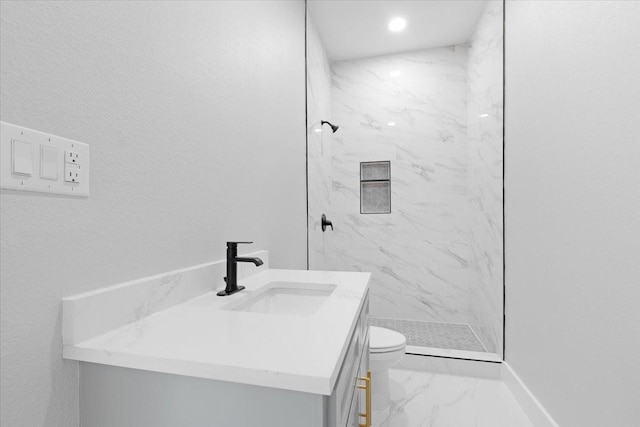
194, 112
572, 207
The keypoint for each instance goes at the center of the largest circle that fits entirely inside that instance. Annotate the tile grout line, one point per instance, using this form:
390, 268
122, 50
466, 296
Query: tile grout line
478, 338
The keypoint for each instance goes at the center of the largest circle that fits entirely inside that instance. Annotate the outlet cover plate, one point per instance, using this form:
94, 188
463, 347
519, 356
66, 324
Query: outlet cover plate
36, 181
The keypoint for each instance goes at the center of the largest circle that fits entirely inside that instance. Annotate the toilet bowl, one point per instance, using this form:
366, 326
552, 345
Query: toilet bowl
385, 348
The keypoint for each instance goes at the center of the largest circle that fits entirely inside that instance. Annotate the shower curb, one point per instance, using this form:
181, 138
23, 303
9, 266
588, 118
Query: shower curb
450, 366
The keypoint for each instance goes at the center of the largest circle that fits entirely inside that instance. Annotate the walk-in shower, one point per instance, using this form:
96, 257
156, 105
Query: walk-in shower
413, 180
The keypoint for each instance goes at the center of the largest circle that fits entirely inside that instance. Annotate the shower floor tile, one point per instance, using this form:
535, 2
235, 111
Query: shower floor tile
453, 336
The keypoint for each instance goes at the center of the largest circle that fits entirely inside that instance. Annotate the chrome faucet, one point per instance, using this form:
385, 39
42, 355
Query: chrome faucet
232, 268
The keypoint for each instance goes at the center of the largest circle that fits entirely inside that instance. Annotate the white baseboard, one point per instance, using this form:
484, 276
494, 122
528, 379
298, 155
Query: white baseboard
538, 416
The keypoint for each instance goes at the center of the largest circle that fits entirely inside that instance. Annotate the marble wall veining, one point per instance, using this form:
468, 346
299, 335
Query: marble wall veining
319, 144
485, 124
436, 115
409, 109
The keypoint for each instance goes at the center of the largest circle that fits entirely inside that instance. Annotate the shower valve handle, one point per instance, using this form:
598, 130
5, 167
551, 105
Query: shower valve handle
325, 223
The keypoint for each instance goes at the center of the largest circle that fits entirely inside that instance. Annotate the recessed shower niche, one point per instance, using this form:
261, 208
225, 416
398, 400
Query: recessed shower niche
419, 146
375, 187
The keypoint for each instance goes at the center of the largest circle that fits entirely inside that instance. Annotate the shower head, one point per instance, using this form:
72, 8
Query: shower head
334, 128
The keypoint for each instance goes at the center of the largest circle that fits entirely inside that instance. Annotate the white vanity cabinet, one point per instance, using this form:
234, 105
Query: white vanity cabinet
112, 396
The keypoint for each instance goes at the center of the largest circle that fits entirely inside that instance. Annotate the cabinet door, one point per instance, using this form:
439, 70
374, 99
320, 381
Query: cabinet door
354, 413
343, 404
359, 401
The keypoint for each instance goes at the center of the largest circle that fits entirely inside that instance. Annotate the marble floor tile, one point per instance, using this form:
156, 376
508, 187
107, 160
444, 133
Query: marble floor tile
421, 399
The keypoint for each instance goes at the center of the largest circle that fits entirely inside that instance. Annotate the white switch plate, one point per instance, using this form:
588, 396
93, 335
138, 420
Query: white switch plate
21, 157
49, 162
47, 173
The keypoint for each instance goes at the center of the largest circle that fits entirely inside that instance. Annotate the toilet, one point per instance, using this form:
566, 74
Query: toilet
386, 347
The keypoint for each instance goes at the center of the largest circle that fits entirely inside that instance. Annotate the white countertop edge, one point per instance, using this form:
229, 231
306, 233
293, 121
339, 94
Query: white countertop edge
242, 375
345, 346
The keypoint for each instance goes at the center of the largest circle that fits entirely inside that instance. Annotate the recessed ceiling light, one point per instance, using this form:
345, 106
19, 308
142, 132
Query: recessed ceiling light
484, 115
317, 130
397, 24
395, 73
391, 124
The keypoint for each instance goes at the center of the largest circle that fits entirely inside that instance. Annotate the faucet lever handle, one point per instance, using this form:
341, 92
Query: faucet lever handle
325, 223
238, 243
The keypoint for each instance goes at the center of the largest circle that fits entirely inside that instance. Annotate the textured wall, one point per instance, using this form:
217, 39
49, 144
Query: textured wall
195, 116
572, 229
484, 130
419, 253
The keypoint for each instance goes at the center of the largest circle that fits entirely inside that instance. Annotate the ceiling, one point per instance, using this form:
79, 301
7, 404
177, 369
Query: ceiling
358, 28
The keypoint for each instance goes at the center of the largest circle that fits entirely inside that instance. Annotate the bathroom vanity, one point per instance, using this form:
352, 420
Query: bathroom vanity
290, 350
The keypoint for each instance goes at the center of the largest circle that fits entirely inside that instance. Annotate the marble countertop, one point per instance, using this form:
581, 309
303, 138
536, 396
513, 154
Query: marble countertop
199, 338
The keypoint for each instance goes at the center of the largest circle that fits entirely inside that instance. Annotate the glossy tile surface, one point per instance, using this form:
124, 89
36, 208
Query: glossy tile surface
436, 116
319, 145
421, 399
484, 129
418, 253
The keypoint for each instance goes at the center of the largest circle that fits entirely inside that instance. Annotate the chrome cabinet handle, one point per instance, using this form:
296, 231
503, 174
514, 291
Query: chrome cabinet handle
367, 388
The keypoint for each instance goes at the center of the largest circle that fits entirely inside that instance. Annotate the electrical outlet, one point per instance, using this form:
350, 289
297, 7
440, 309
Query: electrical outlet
40, 162
71, 156
72, 174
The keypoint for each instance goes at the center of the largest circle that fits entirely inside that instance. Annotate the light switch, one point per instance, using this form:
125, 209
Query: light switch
40, 162
48, 162
22, 162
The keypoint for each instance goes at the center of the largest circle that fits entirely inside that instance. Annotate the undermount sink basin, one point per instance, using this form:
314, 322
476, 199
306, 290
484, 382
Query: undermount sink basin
302, 299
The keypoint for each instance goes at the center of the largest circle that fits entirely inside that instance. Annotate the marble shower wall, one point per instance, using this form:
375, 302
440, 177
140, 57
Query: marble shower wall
319, 145
485, 119
410, 109
436, 114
